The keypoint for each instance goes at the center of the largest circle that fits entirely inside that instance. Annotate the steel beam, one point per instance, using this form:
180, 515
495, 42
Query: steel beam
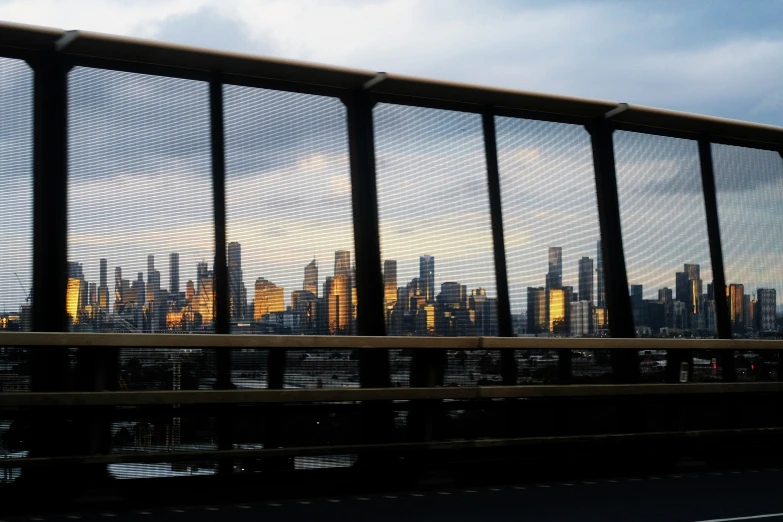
626, 362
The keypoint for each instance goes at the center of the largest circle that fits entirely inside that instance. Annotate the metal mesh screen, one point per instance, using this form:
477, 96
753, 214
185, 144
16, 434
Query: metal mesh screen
16, 194
665, 235
749, 189
435, 230
140, 218
289, 213
550, 223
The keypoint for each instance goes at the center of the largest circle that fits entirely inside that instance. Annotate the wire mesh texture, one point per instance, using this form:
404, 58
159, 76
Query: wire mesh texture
665, 235
289, 213
139, 204
550, 224
435, 233
749, 190
16, 194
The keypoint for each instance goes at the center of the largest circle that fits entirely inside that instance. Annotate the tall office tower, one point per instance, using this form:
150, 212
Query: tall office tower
681, 287
174, 274
235, 280
337, 293
190, 291
427, 276
766, 309
342, 264
581, 318
101, 297
736, 297
558, 308
599, 272
92, 298
311, 278
75, 269
202, 273
119, 295
450, 295
390, 282
710, 291
637, 295
554, 277
586, 279
746, 311
536, 310
74, 304
141, 296
693, 271
104, 272
665, 295
150, 267
269, 298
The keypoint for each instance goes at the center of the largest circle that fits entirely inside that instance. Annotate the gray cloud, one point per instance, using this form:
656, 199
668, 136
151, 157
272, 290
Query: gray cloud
210, 27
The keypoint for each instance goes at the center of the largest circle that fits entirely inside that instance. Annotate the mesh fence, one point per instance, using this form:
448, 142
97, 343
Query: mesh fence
289, 213
749, 189
16, 188
433, 206
550, 224
139, 204
665, 236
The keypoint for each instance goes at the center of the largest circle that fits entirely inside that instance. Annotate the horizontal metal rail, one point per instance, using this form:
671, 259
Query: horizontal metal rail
183, 61
170, 397
400, 447
315, 342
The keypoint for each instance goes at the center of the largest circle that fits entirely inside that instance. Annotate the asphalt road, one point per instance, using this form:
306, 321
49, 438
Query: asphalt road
715, 496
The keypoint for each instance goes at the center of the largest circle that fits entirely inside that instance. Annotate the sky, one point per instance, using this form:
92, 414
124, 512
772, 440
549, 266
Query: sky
139, 160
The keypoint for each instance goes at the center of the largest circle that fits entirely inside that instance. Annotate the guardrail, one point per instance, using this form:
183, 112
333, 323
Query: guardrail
51, 53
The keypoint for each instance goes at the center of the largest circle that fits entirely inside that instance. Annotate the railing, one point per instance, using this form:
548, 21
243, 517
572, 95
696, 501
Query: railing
52, 53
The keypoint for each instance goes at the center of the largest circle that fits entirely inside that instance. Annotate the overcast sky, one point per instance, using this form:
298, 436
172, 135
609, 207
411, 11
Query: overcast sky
139, 172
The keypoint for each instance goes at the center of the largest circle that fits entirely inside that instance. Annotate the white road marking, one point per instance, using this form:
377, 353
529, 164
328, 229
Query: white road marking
362, 498
242, 506
675, 476
544, 486
755, 517
588, 482
305, 502
612, 481
443, 493
144, 512
655, 478
566, 484
108, 514
334, 500
175, 510
211, 508
497, 489
273, 504
469, 490
519, 487
390, 496
416, 495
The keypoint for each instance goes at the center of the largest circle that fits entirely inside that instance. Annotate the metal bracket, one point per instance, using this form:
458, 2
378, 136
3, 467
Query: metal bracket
617, 110
378, 78
65, 40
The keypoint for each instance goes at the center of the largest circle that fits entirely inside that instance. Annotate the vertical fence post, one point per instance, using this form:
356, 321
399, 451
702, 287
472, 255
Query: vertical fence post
49, 365
722, 318
221, 302
505, 328
625, 363
374, 369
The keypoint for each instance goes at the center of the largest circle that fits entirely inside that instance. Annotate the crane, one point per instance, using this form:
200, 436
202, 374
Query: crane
28, 294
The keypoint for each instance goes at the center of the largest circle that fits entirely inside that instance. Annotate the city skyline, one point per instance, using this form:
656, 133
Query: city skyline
286, 202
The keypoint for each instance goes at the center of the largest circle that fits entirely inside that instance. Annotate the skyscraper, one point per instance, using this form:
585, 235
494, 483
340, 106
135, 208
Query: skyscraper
104, 273
235, 280
586, 279
268, 298
736, 297
310, 283
765, 309
342, 264
601, 290
101, 297
337, 293
637, 295
427, 276
390, 281
536, 310
202, 273
554, 277
174, 273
